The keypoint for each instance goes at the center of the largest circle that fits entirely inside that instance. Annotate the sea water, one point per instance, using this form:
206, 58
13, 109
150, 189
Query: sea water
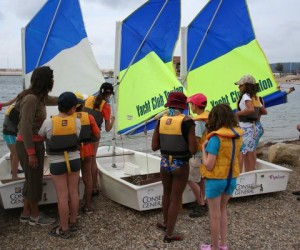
279, 124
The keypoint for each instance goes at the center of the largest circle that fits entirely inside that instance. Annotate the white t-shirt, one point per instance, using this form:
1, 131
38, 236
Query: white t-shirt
46, 132
242, 106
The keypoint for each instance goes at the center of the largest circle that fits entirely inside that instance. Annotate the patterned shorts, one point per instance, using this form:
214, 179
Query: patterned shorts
175, 164
249, 139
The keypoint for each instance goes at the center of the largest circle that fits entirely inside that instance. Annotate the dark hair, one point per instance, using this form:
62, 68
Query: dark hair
221, 116
41, 83
105, 89
250, 89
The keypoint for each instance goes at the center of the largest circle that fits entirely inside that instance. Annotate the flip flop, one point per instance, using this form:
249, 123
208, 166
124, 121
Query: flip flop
169, 239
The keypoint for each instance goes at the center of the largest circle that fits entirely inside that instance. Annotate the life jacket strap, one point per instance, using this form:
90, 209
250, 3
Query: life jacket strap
67, 161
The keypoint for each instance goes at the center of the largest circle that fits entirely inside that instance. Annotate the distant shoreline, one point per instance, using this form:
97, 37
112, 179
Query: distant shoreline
10, 73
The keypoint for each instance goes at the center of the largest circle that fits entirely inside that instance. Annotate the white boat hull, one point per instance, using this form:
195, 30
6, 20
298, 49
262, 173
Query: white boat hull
266, 178
11, 191
132, 163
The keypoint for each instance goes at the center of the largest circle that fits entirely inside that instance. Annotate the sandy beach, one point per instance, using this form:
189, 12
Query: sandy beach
268, 221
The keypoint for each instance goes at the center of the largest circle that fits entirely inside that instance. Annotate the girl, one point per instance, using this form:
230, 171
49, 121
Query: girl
220, 158
62, 135
174, 135
98, 107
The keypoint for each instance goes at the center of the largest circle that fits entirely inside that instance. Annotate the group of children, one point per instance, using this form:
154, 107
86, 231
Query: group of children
210, 143
71, 138
205, 152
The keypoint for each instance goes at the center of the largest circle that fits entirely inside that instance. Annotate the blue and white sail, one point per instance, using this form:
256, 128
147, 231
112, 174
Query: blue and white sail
56, 37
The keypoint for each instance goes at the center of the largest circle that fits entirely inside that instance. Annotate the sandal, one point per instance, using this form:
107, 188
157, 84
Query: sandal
73, 226
169, 239
222, 247
161, 226
57, 231
205, 246
95, 192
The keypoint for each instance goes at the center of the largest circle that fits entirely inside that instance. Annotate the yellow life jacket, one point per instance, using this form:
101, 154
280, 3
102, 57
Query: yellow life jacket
251, 117
223, 161
64, 135
202, 117
96, 113
86, 130
172, 141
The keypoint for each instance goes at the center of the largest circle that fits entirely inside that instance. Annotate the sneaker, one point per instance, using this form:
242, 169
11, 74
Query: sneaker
199, 211
24, 218
42, 219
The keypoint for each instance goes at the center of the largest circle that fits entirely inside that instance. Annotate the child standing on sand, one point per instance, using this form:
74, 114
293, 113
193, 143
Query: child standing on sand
62, 134
220, 158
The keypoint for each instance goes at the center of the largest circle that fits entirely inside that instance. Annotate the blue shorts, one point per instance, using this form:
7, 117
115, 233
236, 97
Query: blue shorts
9, 139
215, 187
175, 164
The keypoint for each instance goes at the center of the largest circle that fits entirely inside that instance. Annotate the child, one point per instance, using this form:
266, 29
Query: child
89, 129
174, 135
220, 158
99, 108
198, 104
62, 133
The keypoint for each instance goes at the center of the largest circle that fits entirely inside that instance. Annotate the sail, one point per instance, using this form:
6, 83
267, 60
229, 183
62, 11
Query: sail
56, 37
148, 38
221, 48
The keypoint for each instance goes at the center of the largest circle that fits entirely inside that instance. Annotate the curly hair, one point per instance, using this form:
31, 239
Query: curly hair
41, 83
221, 116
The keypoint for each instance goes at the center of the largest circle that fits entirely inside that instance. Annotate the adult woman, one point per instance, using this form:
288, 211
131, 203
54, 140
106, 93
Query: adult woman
248, 110
174, 135
220, 158
98, 107
30, 147
61, 133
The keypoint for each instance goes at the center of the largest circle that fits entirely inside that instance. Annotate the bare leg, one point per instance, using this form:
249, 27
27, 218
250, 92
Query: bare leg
87, 178
94, 167
179, 181
73, 180
196, 190
215, 216
14, 161
223, 231
61, 186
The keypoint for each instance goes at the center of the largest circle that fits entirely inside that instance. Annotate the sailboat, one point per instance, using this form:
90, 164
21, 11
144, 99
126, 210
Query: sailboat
55, 37
145, 41
220, 47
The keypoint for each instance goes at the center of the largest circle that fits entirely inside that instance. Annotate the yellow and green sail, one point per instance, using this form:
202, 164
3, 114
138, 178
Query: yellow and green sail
148, 38
221, 48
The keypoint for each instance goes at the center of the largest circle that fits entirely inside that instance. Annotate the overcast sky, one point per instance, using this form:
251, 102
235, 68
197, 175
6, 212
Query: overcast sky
276, 24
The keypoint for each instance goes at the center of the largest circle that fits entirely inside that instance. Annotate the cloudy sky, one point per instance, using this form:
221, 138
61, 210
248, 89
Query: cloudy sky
276, 24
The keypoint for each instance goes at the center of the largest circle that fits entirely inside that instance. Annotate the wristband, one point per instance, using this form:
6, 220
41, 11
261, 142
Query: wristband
1, 105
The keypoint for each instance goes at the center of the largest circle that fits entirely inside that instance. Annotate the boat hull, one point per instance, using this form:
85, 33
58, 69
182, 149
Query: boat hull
11, 190
132, 163
126, 163
266, 178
